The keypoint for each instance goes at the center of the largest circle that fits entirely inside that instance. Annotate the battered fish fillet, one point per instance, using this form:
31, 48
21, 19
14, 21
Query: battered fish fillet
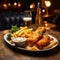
44, 41
35, 37
41, 29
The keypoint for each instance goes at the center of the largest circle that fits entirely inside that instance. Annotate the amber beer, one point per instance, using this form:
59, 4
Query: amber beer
38, 20
27, 21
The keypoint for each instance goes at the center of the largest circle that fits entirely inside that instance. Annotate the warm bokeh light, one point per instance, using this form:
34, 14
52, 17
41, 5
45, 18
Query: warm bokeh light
19, 4
9, 4
47, 3
15, 3
5, 5
43, 10
32, 6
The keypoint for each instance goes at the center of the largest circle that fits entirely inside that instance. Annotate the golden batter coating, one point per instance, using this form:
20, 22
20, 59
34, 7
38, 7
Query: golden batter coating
44, 41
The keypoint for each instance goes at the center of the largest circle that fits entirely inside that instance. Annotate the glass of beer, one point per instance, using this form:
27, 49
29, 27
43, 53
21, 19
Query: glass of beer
27, 18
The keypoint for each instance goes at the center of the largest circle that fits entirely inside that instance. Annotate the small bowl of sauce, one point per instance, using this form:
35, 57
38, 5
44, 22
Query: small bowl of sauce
19, 41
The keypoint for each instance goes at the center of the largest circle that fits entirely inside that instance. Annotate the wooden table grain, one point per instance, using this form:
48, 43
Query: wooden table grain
10, 53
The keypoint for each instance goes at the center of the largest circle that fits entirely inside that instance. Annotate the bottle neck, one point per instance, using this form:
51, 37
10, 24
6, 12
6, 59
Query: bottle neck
38, 8
38, 4
38, 21
38, 11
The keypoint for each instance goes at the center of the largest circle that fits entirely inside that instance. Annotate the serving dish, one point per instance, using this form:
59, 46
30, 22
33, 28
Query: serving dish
21, 48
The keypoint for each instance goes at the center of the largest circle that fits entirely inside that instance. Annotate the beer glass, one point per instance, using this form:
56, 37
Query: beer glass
27, 18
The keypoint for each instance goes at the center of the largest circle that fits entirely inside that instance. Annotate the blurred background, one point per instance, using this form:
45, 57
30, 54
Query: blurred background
21, 5
11, 11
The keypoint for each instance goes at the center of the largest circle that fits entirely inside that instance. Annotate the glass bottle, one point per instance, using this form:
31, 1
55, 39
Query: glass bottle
38, 20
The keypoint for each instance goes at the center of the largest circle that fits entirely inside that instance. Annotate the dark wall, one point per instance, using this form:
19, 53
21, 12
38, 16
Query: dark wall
56, 4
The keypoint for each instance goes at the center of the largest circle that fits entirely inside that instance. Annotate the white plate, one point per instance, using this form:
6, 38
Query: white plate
7, 41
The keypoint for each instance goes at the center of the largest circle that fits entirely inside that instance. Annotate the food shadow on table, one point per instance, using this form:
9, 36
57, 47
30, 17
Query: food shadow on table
51, 52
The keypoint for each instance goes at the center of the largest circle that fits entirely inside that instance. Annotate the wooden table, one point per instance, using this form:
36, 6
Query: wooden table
9, 53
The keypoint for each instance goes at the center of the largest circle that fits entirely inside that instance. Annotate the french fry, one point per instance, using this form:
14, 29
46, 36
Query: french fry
23, 35
28, 47
19, 34
23, 27
20, 30
34, 48
13, 35
26, 34
52, 43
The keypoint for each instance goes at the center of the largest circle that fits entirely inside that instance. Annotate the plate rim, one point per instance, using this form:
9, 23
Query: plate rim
13, 45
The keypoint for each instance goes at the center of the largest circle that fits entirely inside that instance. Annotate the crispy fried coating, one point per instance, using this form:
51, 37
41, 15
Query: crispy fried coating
34, 38
40, 29
44, 41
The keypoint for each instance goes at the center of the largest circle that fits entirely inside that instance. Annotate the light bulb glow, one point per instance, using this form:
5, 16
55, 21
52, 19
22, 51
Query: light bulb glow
32, 6
43, 10
9, 4
15, 3
47, 3
19, 4
5, 5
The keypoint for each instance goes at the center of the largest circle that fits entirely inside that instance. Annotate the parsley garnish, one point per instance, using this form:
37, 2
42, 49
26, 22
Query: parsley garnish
9, 37
13, 29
